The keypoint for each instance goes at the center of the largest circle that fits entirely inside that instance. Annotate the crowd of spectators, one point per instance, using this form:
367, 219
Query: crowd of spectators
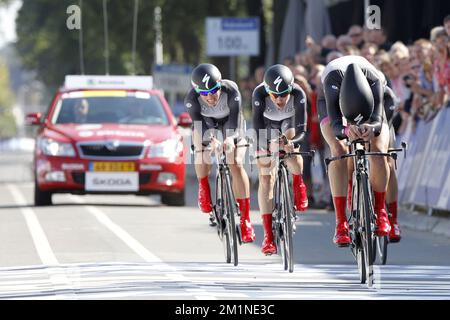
418, 73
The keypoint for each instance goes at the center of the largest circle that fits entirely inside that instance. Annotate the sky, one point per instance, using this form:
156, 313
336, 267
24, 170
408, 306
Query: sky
8, 16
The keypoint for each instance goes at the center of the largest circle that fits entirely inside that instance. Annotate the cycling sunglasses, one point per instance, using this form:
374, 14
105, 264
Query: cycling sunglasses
279, 94
282, 94
210, 91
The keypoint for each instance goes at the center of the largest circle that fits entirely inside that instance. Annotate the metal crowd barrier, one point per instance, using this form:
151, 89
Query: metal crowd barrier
424, 176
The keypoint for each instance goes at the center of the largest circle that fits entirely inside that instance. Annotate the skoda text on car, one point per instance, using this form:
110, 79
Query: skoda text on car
108, 135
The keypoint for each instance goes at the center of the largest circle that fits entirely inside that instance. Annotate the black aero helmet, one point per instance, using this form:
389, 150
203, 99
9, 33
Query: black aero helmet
205, 77
356, 98
278, 79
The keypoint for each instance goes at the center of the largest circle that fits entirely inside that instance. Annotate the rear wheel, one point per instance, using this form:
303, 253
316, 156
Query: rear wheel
42, 198
381, 248
173, 199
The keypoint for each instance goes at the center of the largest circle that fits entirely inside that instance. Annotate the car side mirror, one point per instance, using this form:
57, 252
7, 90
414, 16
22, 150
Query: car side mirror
33, 118
184, 120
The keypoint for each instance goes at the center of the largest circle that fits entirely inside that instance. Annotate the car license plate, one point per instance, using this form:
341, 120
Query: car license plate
112, 181
112, 166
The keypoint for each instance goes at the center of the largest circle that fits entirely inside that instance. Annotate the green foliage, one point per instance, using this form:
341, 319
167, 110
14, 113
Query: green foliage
7, 122
49, 47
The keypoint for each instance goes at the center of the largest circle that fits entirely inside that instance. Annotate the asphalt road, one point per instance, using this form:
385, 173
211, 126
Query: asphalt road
127, 247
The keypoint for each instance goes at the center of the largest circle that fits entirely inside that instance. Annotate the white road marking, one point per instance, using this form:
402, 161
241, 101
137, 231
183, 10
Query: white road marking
222, 281
43, 248
135, 245
40, 240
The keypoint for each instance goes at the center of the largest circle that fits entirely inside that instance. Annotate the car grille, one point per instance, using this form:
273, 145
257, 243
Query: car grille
79, 178
108, 150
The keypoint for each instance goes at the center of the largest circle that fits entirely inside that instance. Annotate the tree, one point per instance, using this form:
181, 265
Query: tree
7, 123
49, 47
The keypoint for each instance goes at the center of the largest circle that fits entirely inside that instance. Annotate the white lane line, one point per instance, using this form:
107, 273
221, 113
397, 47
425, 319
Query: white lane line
40, 240
41, 243
123, 235
136, 246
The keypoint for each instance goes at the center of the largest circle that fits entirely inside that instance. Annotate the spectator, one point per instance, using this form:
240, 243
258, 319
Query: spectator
315, 70
422, 97
379, 37
343, 44
329, 42
299, 70
441, 65
400, 59
447, 25
333, 55
422, 49
289, 62
355, 33
368, 51
367, 35
422, 52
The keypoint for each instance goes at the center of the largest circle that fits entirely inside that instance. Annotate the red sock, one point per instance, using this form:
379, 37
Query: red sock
392, 208
380, 198
339, 207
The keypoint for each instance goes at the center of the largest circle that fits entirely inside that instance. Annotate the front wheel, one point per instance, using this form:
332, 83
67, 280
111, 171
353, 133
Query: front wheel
231, 214
367, 236
361, 260
42, 198
287, 216
226, 246
173, 199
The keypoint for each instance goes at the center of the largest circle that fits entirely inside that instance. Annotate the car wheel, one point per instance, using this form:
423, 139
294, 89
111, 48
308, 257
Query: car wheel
173, 199
42, 198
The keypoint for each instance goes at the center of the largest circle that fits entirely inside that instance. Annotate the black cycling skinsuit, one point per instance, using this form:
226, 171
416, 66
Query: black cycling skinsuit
389, 103
267, 115
226, 116
328, 97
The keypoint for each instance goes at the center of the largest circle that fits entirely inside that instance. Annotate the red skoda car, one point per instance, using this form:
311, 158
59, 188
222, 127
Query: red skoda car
109, 135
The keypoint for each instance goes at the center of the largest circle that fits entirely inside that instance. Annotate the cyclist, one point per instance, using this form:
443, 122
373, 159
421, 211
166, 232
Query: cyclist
390, 102
278, 106
214, 105
350, 107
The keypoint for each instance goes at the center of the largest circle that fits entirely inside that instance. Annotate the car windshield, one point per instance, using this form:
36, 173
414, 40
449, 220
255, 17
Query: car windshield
119, 107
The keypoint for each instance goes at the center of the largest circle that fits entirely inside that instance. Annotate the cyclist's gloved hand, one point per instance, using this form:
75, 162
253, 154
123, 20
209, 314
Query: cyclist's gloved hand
353, 132
229, 144
368, 131
274, 145
216, 146
289, 146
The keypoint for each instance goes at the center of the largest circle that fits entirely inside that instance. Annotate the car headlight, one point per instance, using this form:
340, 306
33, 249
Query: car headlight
54, 148
167, 149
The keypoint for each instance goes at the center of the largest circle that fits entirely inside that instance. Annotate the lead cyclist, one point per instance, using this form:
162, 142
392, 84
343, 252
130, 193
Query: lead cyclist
214, 105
